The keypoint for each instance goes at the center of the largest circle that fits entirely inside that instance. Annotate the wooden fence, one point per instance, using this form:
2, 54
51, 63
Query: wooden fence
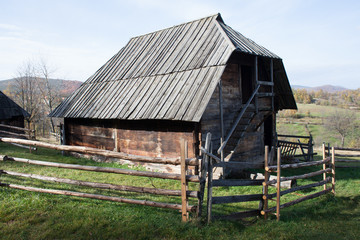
277, 168
213, 161
183, 161
345, 156
14, 131
291, 145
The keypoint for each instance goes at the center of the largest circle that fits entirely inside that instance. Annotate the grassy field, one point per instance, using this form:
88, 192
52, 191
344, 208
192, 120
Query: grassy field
310, 118
28, 215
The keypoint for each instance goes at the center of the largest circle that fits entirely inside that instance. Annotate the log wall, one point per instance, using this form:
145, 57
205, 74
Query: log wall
146, 137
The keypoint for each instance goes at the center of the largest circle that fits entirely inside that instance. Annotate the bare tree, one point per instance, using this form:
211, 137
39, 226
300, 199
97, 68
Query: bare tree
341, 122
25, 89
49, 95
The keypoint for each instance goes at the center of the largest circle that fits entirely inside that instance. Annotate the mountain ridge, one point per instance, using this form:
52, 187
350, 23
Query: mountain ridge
326, 88
65, 87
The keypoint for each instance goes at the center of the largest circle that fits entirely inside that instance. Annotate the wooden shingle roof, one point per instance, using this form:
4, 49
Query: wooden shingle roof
169, 74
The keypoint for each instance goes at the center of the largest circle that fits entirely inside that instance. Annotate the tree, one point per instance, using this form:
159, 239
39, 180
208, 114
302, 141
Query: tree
49, 95
341, 122
25, 89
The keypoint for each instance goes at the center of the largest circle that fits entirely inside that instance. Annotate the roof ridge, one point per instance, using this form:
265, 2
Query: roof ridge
216, 16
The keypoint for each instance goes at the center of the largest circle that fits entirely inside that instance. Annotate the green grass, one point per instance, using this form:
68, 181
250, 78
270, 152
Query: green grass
311, 119
29, 215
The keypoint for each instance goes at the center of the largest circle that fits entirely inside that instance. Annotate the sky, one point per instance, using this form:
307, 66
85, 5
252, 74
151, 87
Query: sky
318, 40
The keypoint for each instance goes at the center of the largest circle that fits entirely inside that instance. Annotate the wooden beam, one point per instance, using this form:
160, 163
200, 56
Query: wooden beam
221, 120
307, 175
298, 165
99, 197
236, 198
278, 184
190, 178
101, 152
184, 200
333, 170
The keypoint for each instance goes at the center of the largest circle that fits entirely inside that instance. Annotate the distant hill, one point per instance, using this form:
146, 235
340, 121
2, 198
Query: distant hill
325, 88
65, 87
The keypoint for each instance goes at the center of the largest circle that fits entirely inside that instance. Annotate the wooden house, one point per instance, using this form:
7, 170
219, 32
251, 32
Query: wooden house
11, 113
182, 82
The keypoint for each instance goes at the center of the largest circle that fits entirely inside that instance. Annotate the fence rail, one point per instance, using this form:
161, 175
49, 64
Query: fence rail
183, 161
345, 157
17, 131
289, 148
326, 179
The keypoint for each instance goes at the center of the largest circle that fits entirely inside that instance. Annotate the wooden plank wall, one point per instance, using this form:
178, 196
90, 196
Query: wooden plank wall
252, 145
152, 138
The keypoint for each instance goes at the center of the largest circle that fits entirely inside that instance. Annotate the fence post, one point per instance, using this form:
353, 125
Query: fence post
184, 200
204, 168
266, 178
210, 177
310, 149
333, 170
278, 184
324, 165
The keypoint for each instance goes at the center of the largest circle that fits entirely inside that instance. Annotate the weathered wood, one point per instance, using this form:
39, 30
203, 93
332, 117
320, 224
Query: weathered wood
266, 83
22, 146
295, 143
324, 164
156, 191
184, 201
204, 151
17, 128
298, 165
238, 120
347, 155
236, 182
307, 175
266, 178
333, 170
106, 153
292, 136
278, 184
14, 134
191, 178
347, 160
344, 149
236, 198
283, 184
99, 197
298, 188
210, 179
239, 215
204, 168
239, 165
299, 200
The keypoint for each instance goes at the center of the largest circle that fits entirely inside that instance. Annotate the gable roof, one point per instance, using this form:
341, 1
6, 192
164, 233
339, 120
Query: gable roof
9, 109
169, 74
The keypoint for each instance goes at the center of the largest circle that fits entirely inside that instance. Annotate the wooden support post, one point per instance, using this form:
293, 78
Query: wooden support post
310, 149
256, 82
204, 170
266, 178
221, 125
184, 200
333, 170
210, 176
278, 184
324, 165
272, 86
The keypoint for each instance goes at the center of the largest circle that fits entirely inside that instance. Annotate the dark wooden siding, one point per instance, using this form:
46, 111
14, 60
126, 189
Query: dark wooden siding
146, 137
